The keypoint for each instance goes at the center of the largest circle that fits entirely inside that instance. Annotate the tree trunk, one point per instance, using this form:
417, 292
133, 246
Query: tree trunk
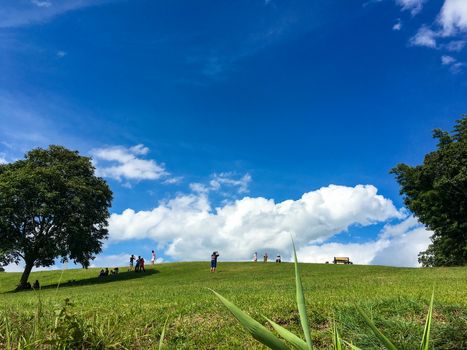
24, 277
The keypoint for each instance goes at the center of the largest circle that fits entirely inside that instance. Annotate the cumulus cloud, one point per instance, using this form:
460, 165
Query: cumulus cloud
397, 245
414, 6
453, 17
120, 163
189, 227
449, 24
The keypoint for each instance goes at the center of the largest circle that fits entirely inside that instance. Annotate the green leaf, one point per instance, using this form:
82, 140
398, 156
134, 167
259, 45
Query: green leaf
426, 332
336, 340
161, 340
386, 342
301, 301
296, 342
257, 330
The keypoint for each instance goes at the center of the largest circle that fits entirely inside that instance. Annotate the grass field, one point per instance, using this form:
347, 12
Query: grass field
128, 311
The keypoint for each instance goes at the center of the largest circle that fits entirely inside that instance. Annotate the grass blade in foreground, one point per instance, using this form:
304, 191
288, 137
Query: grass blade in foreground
336, 340
387, 343
161, 340
296, 342
256, 329
426, 332
301, 301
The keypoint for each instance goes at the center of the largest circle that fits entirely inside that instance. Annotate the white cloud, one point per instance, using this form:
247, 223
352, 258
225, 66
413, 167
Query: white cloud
397, 245
190, 228
414, 6
222, 180
424, 37
397, 25
3, 159
125, 164
446, 60
454, 65
61, 54
453, 17
39, 3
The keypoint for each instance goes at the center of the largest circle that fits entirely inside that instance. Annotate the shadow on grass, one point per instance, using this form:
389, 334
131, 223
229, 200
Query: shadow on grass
122, 276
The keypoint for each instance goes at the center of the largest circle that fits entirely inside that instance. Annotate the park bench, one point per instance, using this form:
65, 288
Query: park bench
342, 260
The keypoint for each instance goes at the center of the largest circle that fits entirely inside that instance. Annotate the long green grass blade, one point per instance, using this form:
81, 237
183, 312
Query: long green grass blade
336, 340
351, 346
386, 342
296, 342
426, 332
257, 330
161, 340
301, 301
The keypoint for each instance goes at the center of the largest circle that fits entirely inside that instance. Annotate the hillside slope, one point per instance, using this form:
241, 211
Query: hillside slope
128, 310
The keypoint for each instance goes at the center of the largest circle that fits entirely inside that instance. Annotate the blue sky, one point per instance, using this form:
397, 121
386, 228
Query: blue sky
189, 106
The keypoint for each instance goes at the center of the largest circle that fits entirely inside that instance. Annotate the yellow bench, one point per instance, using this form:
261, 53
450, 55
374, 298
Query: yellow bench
342, 260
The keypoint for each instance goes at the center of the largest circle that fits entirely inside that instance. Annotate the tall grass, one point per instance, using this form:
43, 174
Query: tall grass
266, 337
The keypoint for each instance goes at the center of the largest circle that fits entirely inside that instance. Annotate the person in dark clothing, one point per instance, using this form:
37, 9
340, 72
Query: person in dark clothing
36, 285
137, 264
132, 260
214, 257
102, 273
141, 265
106, 273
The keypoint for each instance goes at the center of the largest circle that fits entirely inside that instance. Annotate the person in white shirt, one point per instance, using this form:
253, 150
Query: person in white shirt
153, 258
255, 257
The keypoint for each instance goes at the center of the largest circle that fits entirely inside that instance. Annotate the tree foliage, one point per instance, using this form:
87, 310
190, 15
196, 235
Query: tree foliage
436, 192
51, 205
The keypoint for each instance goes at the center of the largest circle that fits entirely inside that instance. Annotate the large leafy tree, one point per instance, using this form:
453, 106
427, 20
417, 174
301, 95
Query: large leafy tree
436, 192
51, 206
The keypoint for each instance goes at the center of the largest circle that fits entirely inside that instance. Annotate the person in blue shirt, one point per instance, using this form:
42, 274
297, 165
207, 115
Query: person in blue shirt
214, 257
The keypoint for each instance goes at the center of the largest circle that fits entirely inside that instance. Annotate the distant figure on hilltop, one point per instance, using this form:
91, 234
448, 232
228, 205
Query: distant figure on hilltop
153, 257
278, 259
132, 260
255, 257
265, 257
137, 264
141, 264
214, 257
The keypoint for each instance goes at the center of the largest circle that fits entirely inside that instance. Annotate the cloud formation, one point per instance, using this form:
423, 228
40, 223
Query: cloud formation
120, 163
397, 245
189, 228
414, 6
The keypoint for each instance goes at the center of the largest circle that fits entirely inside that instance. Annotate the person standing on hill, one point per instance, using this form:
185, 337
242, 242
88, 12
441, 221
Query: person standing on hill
153, 257
265, 257
138, 261
132, 260
255, 257
141, 264
214, 257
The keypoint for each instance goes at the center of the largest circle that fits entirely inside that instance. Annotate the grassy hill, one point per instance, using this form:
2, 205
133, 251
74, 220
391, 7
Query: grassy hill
128, 310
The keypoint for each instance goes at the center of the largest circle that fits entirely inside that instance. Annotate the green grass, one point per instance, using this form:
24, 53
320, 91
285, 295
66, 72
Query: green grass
129, 311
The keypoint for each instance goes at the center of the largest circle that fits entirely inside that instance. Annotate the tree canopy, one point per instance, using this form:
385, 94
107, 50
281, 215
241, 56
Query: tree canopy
436, 192
51, 206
